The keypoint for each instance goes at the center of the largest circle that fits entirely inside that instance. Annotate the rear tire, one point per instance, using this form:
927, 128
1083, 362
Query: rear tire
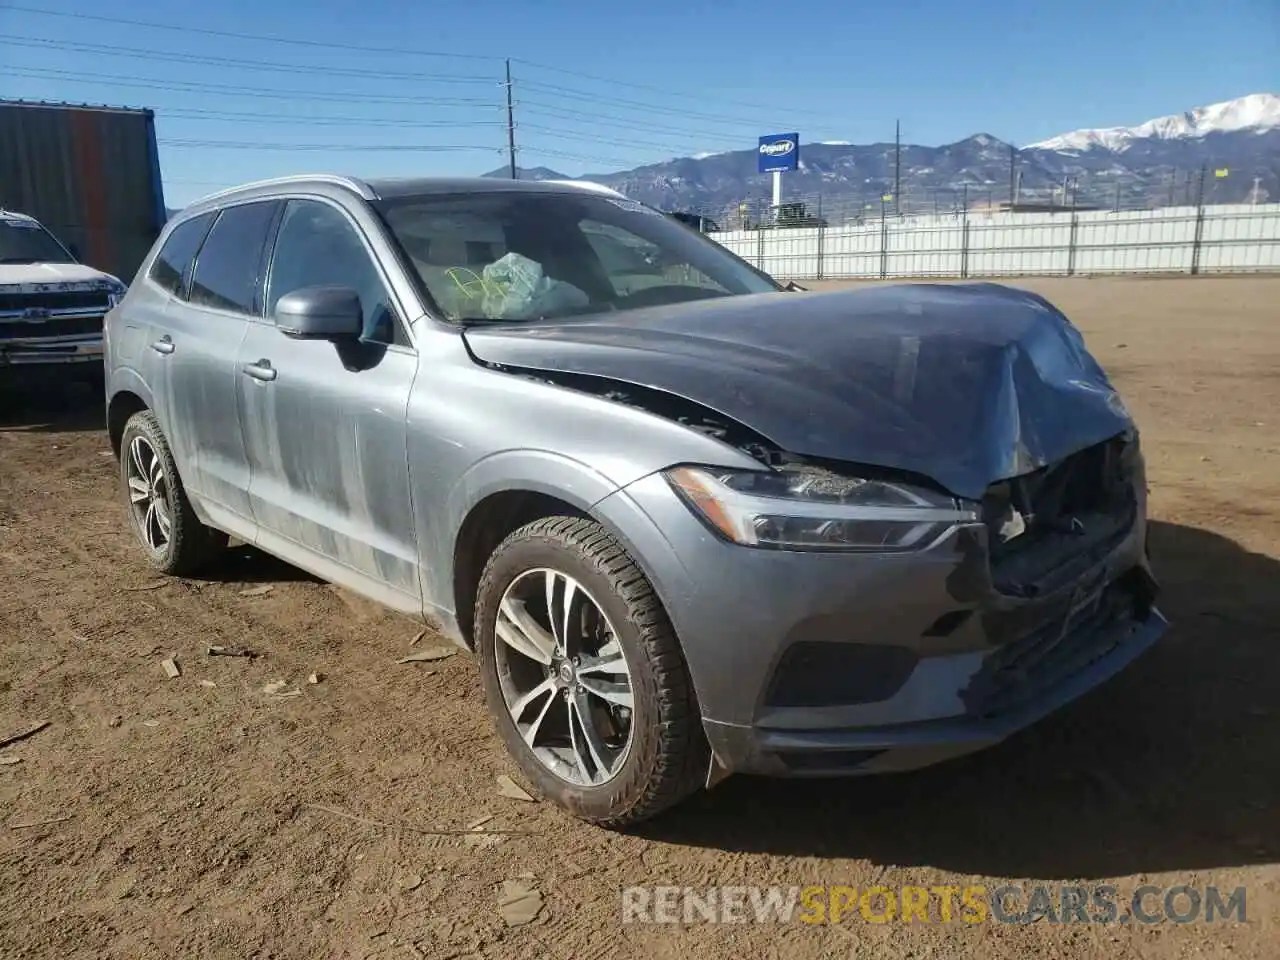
665, 755
161, 516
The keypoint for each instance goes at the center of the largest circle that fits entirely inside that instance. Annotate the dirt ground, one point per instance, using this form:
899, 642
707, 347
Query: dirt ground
200, 817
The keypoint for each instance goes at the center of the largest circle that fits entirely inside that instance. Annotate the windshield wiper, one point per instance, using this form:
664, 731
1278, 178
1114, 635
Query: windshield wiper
19, 260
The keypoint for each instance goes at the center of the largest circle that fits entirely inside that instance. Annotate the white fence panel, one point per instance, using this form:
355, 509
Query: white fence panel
929, 249
1037, 243
852, 252
1242, 239
793, 253
1219, 239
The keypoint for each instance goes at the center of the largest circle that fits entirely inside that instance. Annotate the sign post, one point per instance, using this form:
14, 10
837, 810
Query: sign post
778, 153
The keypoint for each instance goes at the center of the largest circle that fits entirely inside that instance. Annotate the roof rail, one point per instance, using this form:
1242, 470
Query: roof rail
351, 183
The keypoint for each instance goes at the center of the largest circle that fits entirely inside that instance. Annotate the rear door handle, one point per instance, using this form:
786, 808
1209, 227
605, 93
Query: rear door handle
163, 346
262, 370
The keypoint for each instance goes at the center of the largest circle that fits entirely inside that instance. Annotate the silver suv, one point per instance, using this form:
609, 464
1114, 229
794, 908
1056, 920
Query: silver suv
690, 523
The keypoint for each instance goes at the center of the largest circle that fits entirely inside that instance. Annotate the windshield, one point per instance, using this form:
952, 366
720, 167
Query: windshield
25, 241
532, 256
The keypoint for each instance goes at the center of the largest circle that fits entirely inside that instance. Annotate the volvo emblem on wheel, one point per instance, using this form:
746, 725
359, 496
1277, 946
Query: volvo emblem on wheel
779, 152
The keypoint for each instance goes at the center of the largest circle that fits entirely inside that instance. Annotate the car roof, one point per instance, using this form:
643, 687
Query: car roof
390, 188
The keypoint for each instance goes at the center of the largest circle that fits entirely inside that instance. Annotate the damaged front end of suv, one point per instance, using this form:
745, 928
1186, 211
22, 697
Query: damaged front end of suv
944, 540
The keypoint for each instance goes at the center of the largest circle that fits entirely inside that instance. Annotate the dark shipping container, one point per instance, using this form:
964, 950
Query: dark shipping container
89, 174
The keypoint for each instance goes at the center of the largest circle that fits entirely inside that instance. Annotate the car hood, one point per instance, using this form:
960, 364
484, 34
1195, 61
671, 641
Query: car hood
45, 274
964, 384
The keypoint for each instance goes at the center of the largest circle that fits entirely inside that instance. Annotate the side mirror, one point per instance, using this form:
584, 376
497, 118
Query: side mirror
320, 313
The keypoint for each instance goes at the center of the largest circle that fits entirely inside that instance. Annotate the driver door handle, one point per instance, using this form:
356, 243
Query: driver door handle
163, 346
262, 370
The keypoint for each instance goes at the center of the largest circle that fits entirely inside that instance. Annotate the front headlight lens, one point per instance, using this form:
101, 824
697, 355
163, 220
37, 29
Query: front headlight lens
116, 290
809, 508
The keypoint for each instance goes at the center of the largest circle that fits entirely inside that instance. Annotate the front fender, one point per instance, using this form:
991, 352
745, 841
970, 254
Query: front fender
534, 471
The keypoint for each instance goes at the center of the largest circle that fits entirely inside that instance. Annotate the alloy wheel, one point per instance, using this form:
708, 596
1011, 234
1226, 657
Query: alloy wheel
149, 495
564, 677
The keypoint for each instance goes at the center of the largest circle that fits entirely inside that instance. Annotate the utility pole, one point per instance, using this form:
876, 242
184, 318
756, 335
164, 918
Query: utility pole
1257, 182
1013, 176
897, 168
511, 125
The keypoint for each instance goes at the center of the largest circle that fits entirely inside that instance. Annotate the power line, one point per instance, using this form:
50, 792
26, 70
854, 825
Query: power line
540, 108
275, 119
144, 82
139, 53
335, 147
586, 158
615, 102
702, 98
401, 51
611, 141
265, 38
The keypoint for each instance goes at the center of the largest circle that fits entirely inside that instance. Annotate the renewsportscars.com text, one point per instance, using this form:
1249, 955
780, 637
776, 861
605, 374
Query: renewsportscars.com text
979, 903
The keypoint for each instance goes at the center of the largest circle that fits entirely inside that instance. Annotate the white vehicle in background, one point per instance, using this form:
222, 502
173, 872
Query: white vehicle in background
51, 306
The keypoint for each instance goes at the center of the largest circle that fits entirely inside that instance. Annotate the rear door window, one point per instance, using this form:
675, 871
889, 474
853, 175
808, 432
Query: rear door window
229, 268
169, 269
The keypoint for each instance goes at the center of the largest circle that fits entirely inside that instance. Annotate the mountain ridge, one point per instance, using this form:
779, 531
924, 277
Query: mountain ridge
1158, 162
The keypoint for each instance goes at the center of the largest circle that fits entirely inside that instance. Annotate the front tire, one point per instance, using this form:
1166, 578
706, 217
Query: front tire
175, 540
584, 676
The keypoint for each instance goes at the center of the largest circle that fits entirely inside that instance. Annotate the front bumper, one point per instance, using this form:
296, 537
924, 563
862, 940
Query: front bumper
908, 746
903, 660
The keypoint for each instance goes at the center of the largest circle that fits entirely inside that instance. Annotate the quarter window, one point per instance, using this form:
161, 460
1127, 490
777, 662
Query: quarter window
318, 246
229, 266
169, 269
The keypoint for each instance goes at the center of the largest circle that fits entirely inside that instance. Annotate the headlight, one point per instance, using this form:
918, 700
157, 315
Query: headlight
115, 291
808, 508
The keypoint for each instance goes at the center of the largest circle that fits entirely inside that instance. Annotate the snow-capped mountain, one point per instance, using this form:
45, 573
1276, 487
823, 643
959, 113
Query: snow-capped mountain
1258, 112
1155, 163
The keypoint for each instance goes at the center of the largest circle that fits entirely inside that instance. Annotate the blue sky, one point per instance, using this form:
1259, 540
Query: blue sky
721, 73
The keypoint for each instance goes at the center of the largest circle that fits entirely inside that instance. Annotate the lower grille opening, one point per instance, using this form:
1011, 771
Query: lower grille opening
826, 759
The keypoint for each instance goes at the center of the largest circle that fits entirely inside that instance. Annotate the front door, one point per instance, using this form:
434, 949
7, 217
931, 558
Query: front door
325, 422
204, 332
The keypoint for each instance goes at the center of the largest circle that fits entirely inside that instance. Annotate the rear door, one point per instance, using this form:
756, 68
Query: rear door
205, 331
325, 423
146, 342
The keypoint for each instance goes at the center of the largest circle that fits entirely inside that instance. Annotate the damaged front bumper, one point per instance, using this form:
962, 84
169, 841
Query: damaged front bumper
837, 751
820, 664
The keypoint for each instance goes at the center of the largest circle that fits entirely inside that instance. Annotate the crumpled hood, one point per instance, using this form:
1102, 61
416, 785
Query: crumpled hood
965, 384
21, 275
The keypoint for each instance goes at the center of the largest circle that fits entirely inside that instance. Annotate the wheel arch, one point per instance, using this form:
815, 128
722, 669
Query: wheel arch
123, 405
505, 492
